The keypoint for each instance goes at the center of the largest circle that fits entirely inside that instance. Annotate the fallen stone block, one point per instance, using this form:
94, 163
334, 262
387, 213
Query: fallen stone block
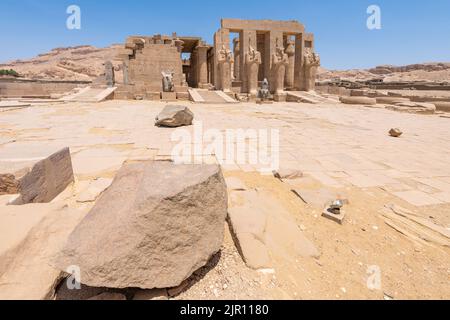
174, 116
395, 132
358, 100
33, 234
261, 228
391, 100
414, 107
152, 228
46, 179
442, 106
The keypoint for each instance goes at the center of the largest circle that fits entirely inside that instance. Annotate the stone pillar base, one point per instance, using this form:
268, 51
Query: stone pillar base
280, 97
168, 96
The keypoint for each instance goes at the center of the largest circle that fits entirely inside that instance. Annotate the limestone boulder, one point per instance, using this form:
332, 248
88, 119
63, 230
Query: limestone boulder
358, 100
153, 227
46, 179
174, 116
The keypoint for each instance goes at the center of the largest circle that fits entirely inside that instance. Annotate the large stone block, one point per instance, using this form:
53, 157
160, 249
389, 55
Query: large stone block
174, 116
46, 179
153, 228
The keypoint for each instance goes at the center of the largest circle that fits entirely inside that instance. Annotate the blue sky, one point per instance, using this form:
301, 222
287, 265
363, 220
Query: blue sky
412, 31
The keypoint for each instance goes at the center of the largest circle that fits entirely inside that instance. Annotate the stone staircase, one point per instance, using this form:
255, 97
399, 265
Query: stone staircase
90, 94
308, 97
207, 96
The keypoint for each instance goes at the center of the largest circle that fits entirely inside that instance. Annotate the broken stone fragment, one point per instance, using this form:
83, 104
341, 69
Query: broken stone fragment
174, 116
261, 227
8, 184
395, 132
153, 227
47, 179
287, 174
334, 212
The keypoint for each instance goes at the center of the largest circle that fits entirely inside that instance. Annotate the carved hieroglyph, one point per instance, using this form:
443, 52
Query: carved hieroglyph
252, 62
311, 61
279, 62
225, 59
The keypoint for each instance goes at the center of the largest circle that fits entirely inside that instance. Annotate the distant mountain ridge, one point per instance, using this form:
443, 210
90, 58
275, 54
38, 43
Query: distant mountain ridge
81, 63
84, 63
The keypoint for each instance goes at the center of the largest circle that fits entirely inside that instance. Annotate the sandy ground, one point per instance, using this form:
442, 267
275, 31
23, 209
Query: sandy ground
341, 149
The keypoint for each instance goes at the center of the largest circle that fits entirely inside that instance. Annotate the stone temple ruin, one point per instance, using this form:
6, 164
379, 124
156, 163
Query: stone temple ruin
280, 52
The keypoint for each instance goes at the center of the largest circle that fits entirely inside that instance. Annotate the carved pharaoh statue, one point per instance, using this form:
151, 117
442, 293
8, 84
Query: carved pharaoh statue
252, 62
279, 62
109, 74
225, 60
311, 61
167, 79
290, 51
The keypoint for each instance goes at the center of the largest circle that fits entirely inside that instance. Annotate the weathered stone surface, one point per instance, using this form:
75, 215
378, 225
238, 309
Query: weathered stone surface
153, 228
47, 179
174, 116
358, 100
391, 100
30, 236
8, 184
395, 132
262, 228
414, 107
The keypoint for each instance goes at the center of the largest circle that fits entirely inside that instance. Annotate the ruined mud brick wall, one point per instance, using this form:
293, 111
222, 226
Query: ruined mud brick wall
20, 87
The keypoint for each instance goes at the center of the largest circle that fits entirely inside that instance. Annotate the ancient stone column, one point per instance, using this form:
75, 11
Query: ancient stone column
237, 58
224, 59
279, 62
202, 66
252, 62
289, 77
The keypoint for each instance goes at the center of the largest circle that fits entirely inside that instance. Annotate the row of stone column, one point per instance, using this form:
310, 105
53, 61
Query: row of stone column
287, 63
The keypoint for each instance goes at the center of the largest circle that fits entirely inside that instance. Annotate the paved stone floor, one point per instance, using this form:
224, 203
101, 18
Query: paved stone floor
344, 150
337, 145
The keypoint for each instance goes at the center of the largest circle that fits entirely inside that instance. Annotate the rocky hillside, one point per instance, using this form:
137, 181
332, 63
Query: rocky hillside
436, 72
86, 63
73, 63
